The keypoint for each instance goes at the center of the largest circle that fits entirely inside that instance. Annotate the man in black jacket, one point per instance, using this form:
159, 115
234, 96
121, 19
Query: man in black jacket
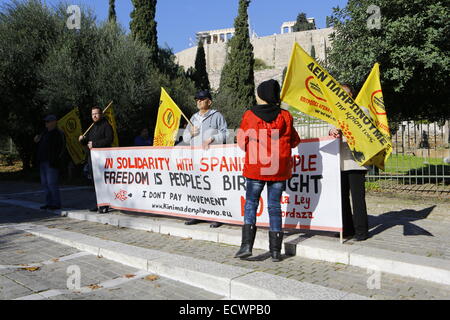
51, 146
101, 135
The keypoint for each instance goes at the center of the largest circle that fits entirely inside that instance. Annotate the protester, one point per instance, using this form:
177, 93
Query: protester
269, 128
101, 135
352, 181
51, 146
209, 127
143, 139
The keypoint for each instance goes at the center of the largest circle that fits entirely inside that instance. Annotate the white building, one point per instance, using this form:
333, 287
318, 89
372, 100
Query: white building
287, 27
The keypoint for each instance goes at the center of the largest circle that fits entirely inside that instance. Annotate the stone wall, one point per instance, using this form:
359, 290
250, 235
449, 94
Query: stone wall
274, 50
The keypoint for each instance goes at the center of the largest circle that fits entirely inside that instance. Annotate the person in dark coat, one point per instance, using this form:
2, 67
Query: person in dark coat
101, 135
51, 146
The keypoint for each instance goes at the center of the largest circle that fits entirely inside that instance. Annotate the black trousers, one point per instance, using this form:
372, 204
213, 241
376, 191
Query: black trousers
352, 182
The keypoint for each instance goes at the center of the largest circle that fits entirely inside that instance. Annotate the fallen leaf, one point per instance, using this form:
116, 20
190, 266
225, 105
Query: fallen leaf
129, 276
20, 252
186, 239
151, 278
31, 269
94, 286
29, 235
55, 260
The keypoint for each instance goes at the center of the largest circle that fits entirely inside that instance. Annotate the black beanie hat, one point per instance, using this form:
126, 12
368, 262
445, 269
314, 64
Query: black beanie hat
269, 91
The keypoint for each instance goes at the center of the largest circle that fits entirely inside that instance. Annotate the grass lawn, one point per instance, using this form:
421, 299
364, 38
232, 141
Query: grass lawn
402, 163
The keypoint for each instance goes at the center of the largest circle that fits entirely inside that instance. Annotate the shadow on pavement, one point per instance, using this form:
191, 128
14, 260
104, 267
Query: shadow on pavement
403, 218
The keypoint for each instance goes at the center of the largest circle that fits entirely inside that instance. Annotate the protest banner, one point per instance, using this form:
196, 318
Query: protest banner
70, 124
312, 90
208, 184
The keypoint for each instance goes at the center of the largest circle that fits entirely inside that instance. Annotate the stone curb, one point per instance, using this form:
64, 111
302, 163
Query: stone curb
229, 281
398, 263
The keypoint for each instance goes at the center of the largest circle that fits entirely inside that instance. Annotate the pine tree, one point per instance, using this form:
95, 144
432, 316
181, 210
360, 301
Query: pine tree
302, 23
237, 83
112, 11
201, 75
143, 26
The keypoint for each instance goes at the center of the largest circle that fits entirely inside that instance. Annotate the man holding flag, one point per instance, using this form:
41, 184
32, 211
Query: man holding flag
100, 135
206, 127
353, 177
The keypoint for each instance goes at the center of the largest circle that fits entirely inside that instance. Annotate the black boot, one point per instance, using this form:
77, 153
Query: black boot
248, 238
275, 242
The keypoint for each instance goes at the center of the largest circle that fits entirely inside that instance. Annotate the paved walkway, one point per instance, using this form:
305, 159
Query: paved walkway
421, 229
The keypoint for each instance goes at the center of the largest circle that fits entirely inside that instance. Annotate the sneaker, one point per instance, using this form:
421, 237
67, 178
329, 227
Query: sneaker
216, 225
192, 222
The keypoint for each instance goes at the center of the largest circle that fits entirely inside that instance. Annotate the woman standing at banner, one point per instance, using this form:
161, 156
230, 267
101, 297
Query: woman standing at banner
353, 177
267, 136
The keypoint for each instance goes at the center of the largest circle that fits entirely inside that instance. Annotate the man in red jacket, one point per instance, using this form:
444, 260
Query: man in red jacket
267, 136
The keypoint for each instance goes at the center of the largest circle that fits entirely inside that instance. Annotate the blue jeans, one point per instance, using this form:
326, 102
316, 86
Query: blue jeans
49, 181
274, 191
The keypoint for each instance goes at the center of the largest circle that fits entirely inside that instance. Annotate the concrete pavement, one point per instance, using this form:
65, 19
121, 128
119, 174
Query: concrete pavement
407, 270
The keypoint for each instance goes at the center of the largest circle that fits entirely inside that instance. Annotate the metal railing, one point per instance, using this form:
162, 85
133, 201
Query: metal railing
420, 161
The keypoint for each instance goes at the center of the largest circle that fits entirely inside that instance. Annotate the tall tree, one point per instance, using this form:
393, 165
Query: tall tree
28, 31
201, 75
411, 44
143, 26
112, 11
237, 82
302, 23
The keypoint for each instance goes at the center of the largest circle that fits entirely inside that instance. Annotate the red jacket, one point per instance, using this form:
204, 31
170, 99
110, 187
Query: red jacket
268, 146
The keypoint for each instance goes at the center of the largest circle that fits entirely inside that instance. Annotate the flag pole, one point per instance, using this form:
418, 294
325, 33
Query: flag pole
84, 134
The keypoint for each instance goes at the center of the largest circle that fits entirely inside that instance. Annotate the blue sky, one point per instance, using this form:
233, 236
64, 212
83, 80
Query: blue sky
179, 20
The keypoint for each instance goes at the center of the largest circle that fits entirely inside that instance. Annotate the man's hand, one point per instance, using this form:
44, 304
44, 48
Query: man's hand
335, 133
89, 145
206, 143
195, 131
37, 138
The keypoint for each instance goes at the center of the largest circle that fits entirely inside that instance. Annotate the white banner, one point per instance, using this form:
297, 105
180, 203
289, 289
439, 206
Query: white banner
208, 185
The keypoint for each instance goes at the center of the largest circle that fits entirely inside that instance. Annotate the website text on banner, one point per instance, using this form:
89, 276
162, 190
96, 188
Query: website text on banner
70, 124
194, 183
168, 121
311, 89
371, 97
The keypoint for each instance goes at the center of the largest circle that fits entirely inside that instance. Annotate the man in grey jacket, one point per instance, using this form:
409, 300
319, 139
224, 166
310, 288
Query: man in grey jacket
209, 127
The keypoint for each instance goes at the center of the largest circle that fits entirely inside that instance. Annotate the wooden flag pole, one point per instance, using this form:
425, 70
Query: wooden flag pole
189, 121
109, 105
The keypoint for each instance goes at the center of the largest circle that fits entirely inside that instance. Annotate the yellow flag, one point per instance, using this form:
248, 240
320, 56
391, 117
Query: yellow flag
168, 121
109, 115
70, 124
312, 90
371, 97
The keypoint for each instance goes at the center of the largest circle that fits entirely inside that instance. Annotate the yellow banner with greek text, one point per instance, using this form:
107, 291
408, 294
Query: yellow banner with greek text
311, 89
